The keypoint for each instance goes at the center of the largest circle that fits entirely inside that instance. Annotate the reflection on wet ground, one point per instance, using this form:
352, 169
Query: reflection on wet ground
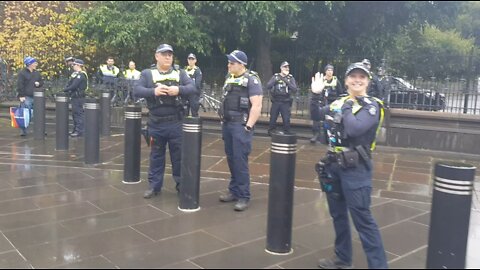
57, 212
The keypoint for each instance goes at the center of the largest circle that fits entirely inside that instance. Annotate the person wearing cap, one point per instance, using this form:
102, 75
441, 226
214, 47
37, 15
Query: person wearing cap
132, 75
375, 88
195, 74
67, 72
282, 85
28, 79
332, 90
345, 173
164, 87
242, 105
76, 88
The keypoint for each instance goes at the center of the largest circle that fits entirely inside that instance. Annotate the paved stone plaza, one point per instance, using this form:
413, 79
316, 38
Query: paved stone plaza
56, 212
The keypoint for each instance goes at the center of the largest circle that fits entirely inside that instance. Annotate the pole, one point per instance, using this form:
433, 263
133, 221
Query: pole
38, 114
61, 113
450, 215
105, 109
190, 171
280, 194
132, 150
92, 134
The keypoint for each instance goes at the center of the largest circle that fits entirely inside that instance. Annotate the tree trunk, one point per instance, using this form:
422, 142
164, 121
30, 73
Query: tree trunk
263, 63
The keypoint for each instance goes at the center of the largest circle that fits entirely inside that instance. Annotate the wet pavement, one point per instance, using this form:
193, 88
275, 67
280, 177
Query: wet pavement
57, 212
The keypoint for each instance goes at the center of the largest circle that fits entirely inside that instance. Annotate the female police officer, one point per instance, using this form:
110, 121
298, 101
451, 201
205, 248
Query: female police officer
345, 173
76, 87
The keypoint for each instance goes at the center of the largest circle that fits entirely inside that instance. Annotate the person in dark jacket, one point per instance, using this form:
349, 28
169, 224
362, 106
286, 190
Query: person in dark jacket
282, 86
196, 75
28, 80
76, 87
345, 173
164, 87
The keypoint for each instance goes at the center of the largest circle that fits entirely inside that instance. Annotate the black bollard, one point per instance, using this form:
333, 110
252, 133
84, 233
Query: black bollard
190, 171
450, 215
105, 109
280, 194
38, 114
92, 132
61, 119
133, 127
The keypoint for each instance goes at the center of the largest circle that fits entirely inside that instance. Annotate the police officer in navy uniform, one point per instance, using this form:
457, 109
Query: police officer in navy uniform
164, 87
376, 87
345, 173
76, 87
332, 90
282, 86
196, 75
67, 72
241, 108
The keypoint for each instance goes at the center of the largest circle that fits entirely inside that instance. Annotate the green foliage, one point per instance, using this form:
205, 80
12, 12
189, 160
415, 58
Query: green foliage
431, 52
133, 29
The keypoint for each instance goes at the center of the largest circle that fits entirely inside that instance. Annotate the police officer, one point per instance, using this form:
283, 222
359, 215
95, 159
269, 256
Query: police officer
196, 75
375, 88
164, 87
332, 90
68, 66
76, 88
242, 105
345, 173
282, 86
132, 75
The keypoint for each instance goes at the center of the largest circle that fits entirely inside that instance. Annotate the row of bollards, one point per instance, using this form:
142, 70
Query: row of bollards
451, 198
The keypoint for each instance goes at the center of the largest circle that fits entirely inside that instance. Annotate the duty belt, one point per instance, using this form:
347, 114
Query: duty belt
233, 118
163, 119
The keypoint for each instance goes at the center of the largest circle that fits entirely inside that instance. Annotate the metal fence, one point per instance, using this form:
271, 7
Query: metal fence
447, 95
456, 95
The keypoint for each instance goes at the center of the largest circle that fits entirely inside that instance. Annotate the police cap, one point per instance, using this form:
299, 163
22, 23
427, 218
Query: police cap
355, 66
284, 63
164, 48
69, 58
191, 55
78, 62
238, 56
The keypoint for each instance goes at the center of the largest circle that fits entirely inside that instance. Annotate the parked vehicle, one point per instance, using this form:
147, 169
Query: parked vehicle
402, 94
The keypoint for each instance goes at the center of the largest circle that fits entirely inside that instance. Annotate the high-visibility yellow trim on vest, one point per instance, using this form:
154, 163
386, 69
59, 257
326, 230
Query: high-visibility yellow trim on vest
337, 105
333, 83
109, 73
172, 76
131, 74
191, 71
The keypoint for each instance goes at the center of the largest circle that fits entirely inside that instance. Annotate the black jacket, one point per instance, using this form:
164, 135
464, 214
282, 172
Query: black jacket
26, 82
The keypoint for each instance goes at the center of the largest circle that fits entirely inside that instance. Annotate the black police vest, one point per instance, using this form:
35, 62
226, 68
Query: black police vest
165, 105
280, 89
82, 88
236, 102
337, 138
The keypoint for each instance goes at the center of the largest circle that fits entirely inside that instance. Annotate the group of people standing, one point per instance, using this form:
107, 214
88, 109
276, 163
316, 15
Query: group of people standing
351, 119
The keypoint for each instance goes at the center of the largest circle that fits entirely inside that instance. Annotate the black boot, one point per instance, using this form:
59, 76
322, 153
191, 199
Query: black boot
315, 137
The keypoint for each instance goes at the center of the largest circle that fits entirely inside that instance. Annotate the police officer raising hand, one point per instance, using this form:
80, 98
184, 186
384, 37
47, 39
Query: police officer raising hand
345, 173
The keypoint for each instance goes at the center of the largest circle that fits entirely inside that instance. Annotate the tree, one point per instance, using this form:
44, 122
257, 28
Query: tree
250, 24
430, 52
43, 30
133, 29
